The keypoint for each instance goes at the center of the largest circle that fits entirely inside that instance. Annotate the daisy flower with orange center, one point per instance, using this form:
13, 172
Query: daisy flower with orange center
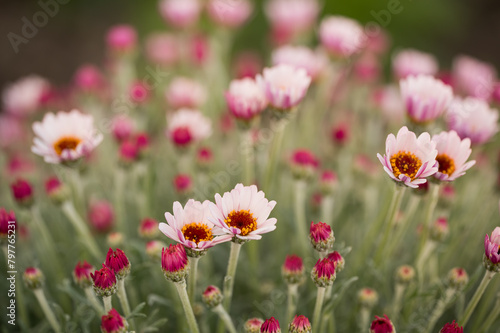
243, 213
408, 159
65, 136
190, 227
453, 153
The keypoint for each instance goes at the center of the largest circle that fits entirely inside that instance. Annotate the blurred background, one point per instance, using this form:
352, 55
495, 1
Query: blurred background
75, 35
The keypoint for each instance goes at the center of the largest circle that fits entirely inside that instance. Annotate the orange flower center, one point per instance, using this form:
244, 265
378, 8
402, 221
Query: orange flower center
446, 164
66, 142
242, 220
197, 232
405, 163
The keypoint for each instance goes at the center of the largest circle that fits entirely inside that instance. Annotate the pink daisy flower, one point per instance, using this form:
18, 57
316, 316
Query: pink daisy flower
492, 247
231, 14
180, 13
185, 93
452, 155
412, 62
473, 77
245, 99
24, 96
314, 63
341, 36
188, 126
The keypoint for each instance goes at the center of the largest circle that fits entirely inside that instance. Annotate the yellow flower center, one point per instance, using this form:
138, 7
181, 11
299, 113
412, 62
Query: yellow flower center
242, 220
446, 164
197, 232
405, 163
66, 142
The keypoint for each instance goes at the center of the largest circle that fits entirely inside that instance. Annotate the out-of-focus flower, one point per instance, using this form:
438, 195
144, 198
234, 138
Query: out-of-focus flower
188, 126
118, 262
11, 131
185, 93
174, 262
24, 97
378, 43
104, 281
341, 36
314, 63
253, 325
303, 163
148, 228
341, 133
270, 325
382, 325
321, 236
323, 273
328, 182
139, 92
212, 296
112, 322
411, 62
180, 13
447, 194
452, 156
19, 165
56, 190
190, 226
81, 274
142, 141
162, 49
115, 239
154, 249
405, 274
122, 38
22, 191
199, 49
473, 78
247, 64
33, 278
367, 68
409, 159
245, 99
338, 260
204, 157
425, 98
183, 183
231, 14
300, 324
5, 218
65, 136
284, 86
88, 78
492, 251
122, 127
101, 215
458, 278
128, 152
473, 118
389, 101
452, 328
367, 297
293, 269
243, 213
281, 13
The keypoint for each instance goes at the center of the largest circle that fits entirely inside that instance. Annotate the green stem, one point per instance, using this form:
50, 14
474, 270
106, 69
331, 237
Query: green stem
89, 293
107, 303
327, 209
122, 296
224, 316
188, 310
247, 156
119, 200
230, 274
488, 275
396, 305
364, 319
491, 317
81, 228
405, 224
193, 271
429, 212
317, 309
429, 247
274, 152
439, 309
47, 311
293, 296
300, 215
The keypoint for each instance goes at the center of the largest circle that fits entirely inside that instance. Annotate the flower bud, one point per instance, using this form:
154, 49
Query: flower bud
154, 249
115, 239
447, 195
323, 273
328, 182
212, 296
81, 274
101, 215
57, 191
122, 127
118, 262
183, 183
300, 324
7, 222
293, 269
321, 236
452, 328
121, 39
439, 229
303, 164
340, 134
367, 297
382, 325
338, 260
174, 263
458, 278
271, 325
88, 78
405, 274
113, 323
104, 281
253, 325
128, 153
148, 228
492, 251
204, 157
33, 278
139, 92
22, 192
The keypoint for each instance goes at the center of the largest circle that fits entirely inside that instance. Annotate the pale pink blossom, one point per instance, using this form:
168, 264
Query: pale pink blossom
122, 38
188, 126
388, 100
122, 127
229, 13
89, 78
412, 62
180, 13
11, 131
185, 93
245, 99
341, 36
452, 156
281, 14
24, 97
313, 62
163, 49
474, 78
408, 159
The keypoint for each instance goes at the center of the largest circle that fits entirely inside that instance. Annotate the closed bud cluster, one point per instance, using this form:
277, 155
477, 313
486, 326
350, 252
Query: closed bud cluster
212, 296
457, 278
22, 192
253, 325
118, 262
382, 325
5, 226
149, 228
271, 325
33, 278
303, 164
323, 273
405, 274
300, 324
452, 328
174, 263
57, 191
367, 297
81, 274
293, 269
338, 260
104, 281
321, 236
440, 229
112, 322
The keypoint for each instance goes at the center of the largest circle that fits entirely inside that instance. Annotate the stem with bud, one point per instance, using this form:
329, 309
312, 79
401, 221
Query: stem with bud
224, 316
89, 293
107, 303
317, 309
188, 310
293, 296
122, 296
